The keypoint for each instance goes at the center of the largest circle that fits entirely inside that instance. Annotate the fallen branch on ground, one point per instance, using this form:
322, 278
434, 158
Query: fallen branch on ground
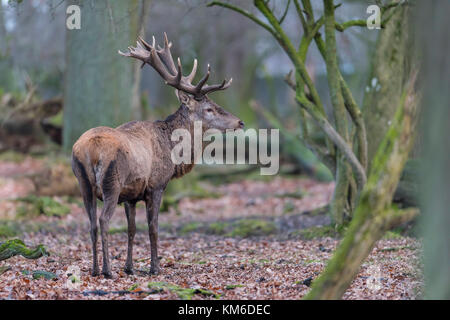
15, 247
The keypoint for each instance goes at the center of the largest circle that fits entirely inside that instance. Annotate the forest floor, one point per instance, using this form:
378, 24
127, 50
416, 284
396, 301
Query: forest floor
252, 240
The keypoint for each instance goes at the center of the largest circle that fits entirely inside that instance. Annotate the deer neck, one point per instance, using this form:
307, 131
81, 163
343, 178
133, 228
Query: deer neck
181, 120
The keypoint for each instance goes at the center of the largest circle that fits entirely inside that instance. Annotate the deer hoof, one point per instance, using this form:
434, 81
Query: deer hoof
154, 270
107, 275
95, 273
129, 271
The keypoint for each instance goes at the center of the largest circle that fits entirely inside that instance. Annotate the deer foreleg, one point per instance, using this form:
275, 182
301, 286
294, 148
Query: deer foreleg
130, 211
153, 203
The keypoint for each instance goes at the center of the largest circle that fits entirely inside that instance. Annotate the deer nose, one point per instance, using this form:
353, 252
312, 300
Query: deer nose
241, 124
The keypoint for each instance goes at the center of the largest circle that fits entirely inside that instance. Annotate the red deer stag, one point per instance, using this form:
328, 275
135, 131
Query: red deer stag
133, 161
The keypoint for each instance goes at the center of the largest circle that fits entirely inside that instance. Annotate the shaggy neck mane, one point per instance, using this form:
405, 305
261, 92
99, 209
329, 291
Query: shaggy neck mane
180, 120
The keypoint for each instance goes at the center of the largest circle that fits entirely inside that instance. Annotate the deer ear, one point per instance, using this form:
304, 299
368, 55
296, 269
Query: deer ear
182, 97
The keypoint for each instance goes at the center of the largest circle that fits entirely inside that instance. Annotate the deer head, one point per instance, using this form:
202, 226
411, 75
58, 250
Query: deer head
194, 97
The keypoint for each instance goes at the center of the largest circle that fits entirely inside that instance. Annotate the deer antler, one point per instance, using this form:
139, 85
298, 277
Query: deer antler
161, 60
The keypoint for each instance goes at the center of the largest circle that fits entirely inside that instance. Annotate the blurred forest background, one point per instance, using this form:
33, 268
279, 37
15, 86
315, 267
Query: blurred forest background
57, 83
34, 61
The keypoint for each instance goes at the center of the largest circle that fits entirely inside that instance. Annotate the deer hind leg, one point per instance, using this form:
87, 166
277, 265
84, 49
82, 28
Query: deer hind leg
153, 203
91, 208
90, 204
111, 191
130, 211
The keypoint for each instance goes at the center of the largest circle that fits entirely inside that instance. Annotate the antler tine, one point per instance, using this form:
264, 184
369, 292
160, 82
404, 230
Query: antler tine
166, 40
161, 60
191, 76
158, 65
146, 45
201, 83
139, 53
179, 72
166, 56
125, 54
216, 87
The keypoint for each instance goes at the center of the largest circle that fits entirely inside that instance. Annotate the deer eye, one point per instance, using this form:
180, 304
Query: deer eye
209, 110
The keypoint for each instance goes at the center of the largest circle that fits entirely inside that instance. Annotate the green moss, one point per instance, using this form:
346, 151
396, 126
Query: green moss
233, 286
188, 187
300, 194
57, 119
244, 172
14, 247
121, 229
319, 211
37, 274
392, 235
218, 228
12, 228
183, 293
166, 226
252, 227
74, 200
12, 156
34, 206
389, 249
3, 269
9, 229
241, 228
167, 202
140, 227
288, 207
133, 287
190, 227
318, 232
310, 261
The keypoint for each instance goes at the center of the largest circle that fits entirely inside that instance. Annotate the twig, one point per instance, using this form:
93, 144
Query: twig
334, 136
285, 13
244, 13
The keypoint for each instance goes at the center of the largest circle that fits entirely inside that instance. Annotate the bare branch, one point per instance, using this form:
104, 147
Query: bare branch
334, 136
243, 12
285, 13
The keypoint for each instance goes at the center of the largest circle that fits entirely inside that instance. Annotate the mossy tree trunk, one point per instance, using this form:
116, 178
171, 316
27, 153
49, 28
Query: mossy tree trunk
344, 153
392, 62
391, 67
99, 84
432, 27
374, 214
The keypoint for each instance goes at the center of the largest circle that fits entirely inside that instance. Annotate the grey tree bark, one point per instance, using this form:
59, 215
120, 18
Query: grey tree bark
432, 27
3, 34
5, 61
99, 84
391, 68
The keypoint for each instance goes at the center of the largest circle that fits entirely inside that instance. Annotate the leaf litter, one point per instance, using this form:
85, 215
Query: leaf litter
198, 264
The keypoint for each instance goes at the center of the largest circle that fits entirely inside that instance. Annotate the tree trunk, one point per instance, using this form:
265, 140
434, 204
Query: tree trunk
98, 81
374, 214
390, 72
6, 70
432, 26
136, 106
3, 33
